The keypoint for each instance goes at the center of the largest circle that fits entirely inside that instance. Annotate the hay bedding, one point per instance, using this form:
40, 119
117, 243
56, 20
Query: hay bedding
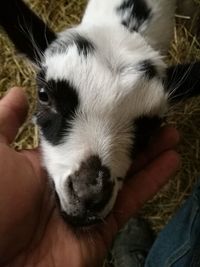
185, 116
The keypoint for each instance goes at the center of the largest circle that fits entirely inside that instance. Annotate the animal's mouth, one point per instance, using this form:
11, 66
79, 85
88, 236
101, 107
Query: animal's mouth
86, 196
84, 219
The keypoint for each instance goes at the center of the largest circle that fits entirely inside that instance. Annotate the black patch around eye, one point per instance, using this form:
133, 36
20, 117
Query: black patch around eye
134, 13
148, 68
52, 126
55, 120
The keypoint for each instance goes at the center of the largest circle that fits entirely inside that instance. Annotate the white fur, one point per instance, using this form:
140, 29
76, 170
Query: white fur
158, 31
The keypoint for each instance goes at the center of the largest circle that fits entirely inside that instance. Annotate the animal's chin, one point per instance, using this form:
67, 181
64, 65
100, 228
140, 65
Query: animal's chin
84, 220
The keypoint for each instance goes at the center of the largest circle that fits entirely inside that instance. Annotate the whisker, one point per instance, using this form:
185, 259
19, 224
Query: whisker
172, 94
29, 34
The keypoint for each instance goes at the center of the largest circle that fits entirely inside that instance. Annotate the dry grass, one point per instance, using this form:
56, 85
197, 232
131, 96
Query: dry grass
185, 116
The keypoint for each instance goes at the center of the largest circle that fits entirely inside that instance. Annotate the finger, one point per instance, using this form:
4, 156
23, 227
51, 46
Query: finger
167, 138
13, 111
144, 185
21, 198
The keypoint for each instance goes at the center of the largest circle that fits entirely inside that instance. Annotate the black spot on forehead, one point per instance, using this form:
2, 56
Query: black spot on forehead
55, 119
133, 13
149, 69
83, 45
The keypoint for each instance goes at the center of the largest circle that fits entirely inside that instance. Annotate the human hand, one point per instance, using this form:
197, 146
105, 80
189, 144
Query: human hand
31, 229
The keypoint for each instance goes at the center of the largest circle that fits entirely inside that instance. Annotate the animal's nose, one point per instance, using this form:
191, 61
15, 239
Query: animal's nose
91, 185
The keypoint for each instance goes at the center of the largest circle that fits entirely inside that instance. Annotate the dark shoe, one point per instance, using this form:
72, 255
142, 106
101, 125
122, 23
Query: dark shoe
132, 244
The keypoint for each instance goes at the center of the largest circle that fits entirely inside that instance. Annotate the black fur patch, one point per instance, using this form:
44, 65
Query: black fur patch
144, 128
148, 68
183, 81
84, 46
133, 13
29, 33
54, 119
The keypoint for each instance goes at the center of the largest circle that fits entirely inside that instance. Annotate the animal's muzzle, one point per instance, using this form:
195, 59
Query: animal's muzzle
88, 191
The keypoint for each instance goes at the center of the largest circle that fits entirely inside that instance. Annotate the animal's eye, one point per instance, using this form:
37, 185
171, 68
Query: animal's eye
43, 96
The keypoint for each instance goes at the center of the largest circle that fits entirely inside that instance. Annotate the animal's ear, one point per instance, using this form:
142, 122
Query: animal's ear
183, 81
29, 33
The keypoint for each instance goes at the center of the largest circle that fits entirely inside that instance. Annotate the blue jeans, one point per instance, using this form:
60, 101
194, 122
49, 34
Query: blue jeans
178, 244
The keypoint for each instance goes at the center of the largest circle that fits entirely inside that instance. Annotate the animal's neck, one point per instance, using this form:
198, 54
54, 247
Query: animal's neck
152, 19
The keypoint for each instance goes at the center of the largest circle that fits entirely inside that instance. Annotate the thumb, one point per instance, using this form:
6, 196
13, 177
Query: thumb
13, 111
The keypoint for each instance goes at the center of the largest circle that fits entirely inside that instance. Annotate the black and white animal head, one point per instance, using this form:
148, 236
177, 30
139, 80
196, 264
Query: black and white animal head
91, 88
93, 84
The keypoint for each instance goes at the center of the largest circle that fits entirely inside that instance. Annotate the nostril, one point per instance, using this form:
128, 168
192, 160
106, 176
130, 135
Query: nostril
70, 184
98, 202
76, 185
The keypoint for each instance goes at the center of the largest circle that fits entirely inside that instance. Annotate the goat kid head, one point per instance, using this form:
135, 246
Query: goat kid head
92, 88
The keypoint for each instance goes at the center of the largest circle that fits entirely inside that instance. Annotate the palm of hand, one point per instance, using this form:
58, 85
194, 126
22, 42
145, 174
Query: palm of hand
32, 232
